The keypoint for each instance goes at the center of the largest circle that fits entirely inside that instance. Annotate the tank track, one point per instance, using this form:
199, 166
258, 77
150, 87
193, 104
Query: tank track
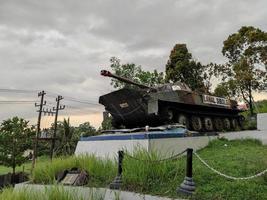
201, 121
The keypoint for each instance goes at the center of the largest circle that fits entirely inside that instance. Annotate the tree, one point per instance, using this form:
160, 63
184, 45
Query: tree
67, 138
106, 123
135, 73
209, 72
85, 129
181, 67
226, 89
14, 136
246, 51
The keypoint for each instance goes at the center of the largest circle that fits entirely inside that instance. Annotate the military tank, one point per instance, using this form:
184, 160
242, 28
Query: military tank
168, 104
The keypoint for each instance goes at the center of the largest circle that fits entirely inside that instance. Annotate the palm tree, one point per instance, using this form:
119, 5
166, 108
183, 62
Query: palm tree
67, 138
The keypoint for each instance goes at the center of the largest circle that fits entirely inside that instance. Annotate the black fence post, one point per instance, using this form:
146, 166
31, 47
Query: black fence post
188, 186
116, 184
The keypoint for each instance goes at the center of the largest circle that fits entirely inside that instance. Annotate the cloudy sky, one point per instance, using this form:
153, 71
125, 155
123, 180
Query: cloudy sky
61, 46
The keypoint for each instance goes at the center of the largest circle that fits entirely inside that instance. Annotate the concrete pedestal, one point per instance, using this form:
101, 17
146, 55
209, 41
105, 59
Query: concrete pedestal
262, 121
164, 143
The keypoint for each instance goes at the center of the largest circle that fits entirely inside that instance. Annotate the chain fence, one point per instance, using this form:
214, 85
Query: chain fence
228, 176
174, 157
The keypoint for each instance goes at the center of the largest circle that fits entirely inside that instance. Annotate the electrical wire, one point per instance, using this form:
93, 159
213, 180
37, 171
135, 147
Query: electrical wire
49, 94
82, 102
81, 112
17, 90
67, 98
71, 109
17, 102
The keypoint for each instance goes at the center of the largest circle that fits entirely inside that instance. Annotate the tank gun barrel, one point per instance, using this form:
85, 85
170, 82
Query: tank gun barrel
125, 80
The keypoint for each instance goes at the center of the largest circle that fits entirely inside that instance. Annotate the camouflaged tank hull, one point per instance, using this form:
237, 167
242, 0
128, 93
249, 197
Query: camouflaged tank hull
136, 108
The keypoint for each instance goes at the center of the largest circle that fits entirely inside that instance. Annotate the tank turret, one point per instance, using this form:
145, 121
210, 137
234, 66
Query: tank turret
169, 103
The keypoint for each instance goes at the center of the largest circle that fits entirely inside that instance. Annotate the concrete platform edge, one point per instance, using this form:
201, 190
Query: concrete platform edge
87, 192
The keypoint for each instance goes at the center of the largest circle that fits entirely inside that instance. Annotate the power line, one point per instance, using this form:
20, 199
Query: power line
51, 94
17, 90
81, 113
16, 102
83, 102
76, 108
68, 98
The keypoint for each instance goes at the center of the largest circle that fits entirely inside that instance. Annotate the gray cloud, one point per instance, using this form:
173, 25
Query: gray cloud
61, 46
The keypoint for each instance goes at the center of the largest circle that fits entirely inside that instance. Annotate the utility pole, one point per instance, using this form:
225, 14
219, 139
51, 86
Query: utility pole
58, 107
42, 103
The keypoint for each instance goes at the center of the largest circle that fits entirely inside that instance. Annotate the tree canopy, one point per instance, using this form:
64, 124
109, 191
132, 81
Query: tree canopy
246, 52
15, 135
135, 73
85, 129
181, 67
226, 89
67, 138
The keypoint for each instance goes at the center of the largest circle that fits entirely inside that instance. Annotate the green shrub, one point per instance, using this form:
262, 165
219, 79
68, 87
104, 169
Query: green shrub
100, 170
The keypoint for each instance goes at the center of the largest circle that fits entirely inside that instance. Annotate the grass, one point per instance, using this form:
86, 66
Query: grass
52, 193
262, 106
236, 158
154, 178
101, 172
26, 167
5, 170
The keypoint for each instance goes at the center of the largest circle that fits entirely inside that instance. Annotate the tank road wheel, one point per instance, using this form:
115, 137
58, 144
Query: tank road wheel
170, 115
167, 114
196, 123
182, 119
241, 121
234, 124
218, 124
226, 124
115, 124
208, 124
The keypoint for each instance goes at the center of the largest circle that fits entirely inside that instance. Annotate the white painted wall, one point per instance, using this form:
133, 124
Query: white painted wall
262, 121
164, 147
171, 146
109, 148
249, 134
